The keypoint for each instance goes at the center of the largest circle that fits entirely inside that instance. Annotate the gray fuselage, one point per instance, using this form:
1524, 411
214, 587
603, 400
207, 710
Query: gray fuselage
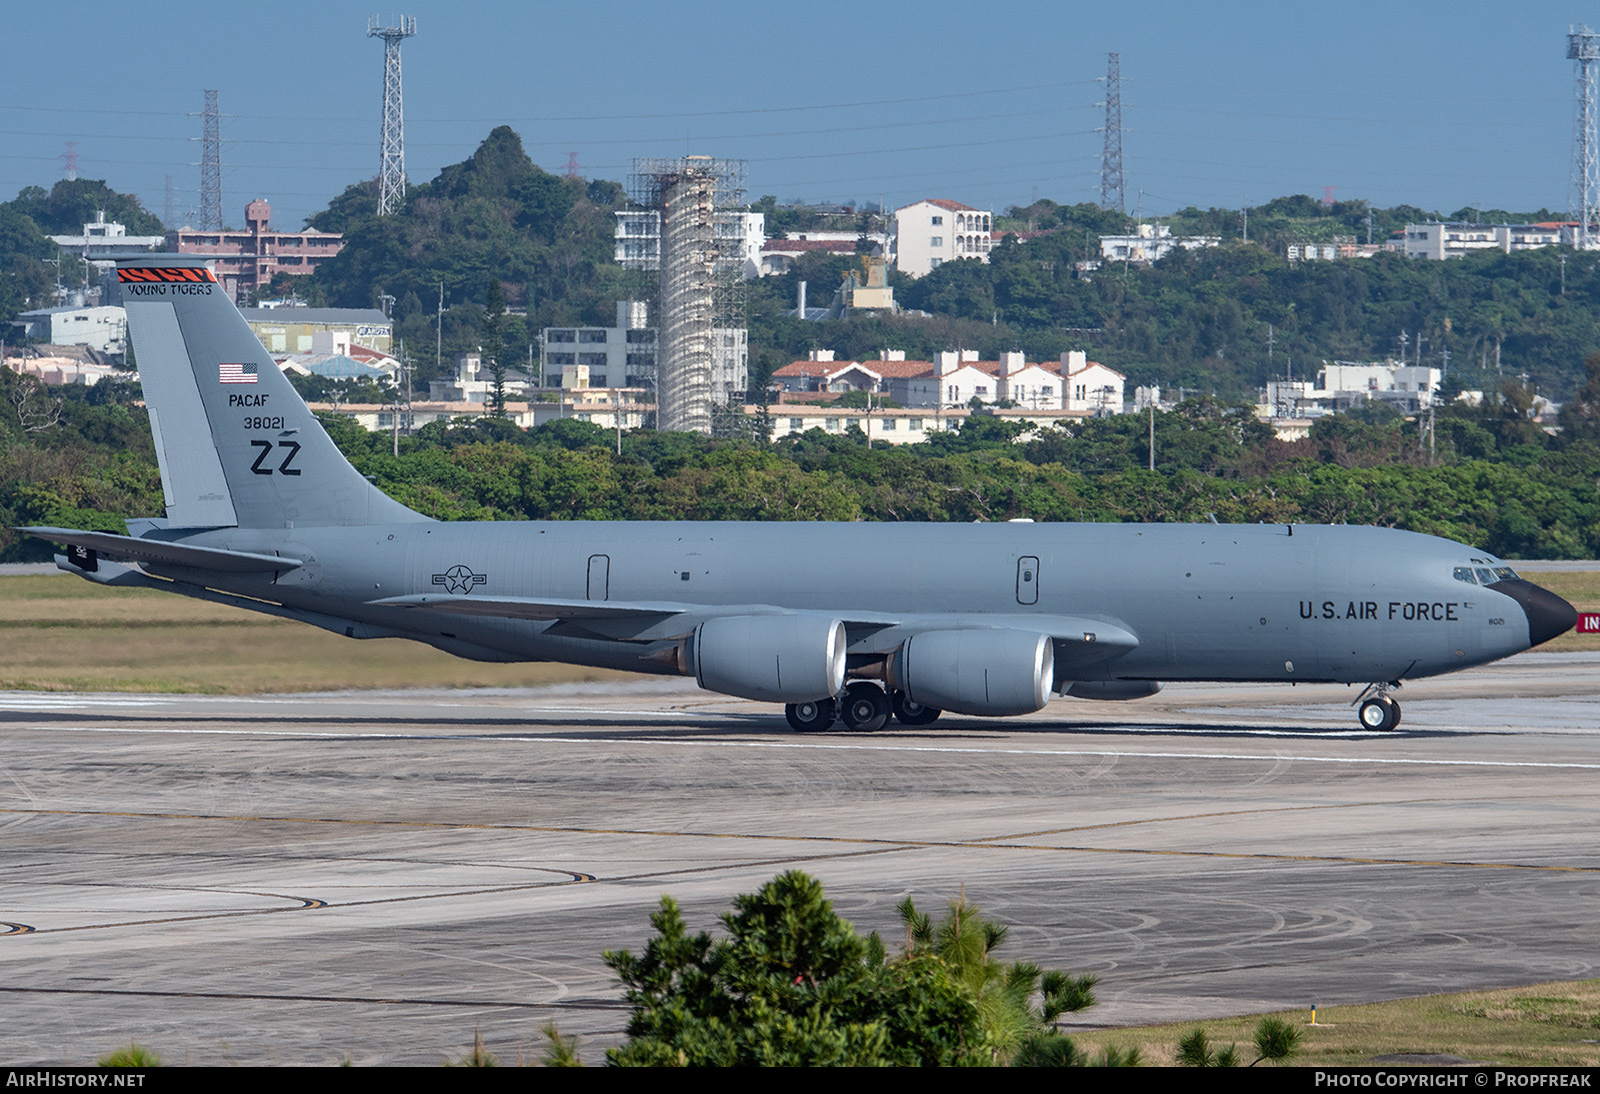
1205, 602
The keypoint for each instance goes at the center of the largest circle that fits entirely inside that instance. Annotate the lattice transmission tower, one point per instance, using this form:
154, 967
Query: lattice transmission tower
392, 140
1583, 46
211, 166
1112, 193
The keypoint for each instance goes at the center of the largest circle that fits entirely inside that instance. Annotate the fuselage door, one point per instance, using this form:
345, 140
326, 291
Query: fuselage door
1027, 580
599, 577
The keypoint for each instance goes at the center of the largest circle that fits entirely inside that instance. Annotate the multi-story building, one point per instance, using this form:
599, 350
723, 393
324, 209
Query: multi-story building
103, 328
1345, 384
247, 261
934, 231
955, 378
625, 355
1452, 239
102, 237
1150, 243
295, 330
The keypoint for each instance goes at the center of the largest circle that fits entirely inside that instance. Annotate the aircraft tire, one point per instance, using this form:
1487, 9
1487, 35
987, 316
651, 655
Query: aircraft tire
908, 713
1380, 715
866, 707
812, 717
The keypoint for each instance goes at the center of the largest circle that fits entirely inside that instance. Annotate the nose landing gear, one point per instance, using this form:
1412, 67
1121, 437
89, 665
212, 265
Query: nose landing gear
1378, 711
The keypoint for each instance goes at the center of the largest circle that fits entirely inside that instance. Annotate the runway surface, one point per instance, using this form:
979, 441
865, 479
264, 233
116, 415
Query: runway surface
299, 879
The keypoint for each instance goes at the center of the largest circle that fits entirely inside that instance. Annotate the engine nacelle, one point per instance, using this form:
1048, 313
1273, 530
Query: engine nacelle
1114, 689
778, 658
993, 672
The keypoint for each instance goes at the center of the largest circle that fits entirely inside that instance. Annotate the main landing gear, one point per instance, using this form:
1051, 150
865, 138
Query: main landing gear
811, 717
863, 706
1378, 712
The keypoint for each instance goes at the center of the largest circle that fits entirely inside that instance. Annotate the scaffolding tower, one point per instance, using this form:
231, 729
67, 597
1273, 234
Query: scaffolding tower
211, 167
1583, 46
392, 140
700, 289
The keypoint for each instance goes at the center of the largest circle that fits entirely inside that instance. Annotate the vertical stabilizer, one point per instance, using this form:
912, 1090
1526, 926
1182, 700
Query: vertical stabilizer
236, 443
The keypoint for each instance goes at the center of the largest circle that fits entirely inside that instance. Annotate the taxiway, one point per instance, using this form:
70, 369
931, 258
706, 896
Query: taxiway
300, 879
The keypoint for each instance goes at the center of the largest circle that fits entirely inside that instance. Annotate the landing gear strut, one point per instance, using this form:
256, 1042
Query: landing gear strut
812, 717
1378, 712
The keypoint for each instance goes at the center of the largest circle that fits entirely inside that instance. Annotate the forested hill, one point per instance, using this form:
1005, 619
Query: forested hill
546, 238
1197, 320
1201, 319
28, 270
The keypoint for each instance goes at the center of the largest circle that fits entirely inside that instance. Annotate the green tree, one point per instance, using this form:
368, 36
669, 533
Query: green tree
1274, 1039
779, 991
1004, 992
793, 984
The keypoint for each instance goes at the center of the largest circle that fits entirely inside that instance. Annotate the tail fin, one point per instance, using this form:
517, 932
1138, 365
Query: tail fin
236, 443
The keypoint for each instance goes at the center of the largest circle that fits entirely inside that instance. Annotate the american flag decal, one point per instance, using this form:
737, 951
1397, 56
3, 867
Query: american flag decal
236, 374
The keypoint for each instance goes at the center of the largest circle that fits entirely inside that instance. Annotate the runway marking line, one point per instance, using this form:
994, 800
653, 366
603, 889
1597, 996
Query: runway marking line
980, 843
308, 904
634, 739
400, 1000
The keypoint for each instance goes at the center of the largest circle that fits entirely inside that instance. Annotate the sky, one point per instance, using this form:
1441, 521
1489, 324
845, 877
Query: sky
1438, 105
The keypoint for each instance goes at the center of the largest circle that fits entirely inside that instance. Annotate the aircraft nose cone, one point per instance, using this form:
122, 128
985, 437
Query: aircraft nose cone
1548, 614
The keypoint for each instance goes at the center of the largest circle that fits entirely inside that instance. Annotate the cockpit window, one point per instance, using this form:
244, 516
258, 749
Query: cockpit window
1484, 575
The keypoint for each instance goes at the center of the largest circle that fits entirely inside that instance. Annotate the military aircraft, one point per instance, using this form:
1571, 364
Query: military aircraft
864, 621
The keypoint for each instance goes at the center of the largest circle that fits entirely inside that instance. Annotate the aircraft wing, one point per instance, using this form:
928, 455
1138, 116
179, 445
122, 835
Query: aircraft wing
88, 545
532, 607
1078, 639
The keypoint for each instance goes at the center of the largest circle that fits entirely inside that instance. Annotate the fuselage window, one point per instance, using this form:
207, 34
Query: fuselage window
1464, 573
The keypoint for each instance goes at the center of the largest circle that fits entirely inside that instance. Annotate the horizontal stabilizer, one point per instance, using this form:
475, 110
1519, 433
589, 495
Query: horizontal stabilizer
161, 552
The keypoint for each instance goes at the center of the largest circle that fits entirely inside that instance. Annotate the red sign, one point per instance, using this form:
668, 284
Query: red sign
1588, 624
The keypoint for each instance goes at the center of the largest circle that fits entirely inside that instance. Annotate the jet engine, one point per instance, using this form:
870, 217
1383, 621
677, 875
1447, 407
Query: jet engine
993, 672
782, 658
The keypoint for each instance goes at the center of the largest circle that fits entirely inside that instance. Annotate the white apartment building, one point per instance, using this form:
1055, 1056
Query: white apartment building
1091, 388
1074, 385
932, 232
1343, 384
1150, 243
625, 355
1453, 239
615, 356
